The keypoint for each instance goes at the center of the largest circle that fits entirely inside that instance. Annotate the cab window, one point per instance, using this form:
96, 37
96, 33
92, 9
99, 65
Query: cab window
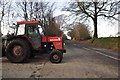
40, 30
32, 30
21, 30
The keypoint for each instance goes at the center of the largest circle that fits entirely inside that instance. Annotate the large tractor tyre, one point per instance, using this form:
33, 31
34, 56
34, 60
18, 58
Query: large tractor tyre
55, 56
32, 55
17, 51
3, 52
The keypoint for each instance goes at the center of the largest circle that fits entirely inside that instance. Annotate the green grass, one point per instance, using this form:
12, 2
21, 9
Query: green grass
108, 42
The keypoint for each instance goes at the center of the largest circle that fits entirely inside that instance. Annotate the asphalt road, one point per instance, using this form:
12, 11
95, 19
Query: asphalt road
80, 61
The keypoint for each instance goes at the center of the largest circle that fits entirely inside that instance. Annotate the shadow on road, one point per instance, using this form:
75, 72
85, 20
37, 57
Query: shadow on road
39, 59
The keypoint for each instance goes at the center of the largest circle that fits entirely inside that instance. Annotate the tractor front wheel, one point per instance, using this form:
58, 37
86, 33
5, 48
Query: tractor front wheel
55, 56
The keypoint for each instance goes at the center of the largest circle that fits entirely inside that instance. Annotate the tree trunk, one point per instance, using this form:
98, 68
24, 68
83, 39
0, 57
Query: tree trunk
95, 28
95, 21
25, 11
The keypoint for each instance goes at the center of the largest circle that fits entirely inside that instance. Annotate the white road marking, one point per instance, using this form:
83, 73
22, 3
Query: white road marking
98, 49
86, 48
107, 55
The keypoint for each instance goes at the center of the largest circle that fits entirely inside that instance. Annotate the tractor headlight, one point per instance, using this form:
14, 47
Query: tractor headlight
51, 48
44, 45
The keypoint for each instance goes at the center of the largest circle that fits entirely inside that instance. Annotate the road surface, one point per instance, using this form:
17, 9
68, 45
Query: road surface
80, 61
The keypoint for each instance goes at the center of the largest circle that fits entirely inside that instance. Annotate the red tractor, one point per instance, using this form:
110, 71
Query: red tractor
28, 38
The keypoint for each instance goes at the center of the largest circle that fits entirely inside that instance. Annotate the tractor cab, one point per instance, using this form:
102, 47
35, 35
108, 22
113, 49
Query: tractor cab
31, 30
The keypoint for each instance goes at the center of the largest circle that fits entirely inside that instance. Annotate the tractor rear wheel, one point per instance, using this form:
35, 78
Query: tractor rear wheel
17, 51
55, 56
3, 52
32, 55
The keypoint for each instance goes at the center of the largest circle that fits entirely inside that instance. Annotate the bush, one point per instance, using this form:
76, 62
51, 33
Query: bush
79, 32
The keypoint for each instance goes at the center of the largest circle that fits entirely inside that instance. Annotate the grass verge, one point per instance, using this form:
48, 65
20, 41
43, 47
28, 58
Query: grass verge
108, 42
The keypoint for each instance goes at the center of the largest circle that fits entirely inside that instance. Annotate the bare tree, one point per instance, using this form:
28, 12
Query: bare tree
31, 10
92, 10
41, 11
61, 20
3, 5
23, 5
9, 11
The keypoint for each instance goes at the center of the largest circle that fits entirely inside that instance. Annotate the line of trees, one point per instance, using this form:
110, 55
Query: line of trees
41, 11
26, 10
93, 9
